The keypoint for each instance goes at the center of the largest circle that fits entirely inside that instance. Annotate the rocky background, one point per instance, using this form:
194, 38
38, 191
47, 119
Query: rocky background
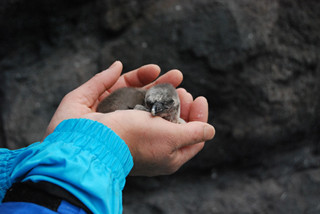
257, 62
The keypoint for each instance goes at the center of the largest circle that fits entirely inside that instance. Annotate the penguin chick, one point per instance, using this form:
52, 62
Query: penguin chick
161, 100
122, 99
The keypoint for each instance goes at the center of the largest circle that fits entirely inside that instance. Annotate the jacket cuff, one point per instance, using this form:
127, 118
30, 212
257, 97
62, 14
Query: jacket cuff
98, 139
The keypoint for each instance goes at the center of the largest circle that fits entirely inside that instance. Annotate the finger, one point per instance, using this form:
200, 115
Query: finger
138, 78
191, 133
184, 154
191, 151
89, 92
199, 110
186, 100
103, 95
174, 77
196, 132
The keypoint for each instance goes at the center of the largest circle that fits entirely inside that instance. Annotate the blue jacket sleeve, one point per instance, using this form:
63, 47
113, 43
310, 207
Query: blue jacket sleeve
85, 157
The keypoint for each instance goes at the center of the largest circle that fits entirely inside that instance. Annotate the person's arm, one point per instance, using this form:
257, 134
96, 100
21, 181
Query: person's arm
82, 156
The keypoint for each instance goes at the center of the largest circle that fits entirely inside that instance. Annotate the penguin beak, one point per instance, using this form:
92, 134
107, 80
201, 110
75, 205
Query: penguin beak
157, 108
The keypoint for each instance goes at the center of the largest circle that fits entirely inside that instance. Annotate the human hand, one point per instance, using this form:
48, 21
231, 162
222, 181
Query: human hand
84, 99
158, 146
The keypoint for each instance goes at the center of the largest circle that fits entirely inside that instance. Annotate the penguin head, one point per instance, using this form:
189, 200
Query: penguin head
162, 100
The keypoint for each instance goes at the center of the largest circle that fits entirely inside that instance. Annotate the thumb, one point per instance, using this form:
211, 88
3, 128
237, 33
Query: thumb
98, 84
192, 133
191, 137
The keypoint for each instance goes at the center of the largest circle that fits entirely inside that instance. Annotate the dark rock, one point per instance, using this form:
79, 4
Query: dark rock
117, 15
41, 69
2, 132
273, 187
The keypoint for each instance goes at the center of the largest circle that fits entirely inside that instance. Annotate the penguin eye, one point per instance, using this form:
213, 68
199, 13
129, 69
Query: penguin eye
168, 102
149, 103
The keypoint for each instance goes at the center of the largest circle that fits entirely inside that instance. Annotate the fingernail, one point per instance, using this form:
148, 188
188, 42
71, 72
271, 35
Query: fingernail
208, 132
114, 64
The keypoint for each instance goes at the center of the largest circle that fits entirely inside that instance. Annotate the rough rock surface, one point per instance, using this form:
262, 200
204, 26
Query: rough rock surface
257, 62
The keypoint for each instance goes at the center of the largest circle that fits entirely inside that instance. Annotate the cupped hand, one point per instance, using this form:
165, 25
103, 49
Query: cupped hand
84, 99
157, 146
160, 147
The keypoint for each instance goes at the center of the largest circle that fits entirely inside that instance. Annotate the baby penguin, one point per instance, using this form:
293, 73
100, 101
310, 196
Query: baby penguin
160, 100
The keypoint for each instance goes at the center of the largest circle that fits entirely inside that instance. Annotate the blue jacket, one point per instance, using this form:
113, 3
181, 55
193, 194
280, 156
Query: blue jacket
85, 157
